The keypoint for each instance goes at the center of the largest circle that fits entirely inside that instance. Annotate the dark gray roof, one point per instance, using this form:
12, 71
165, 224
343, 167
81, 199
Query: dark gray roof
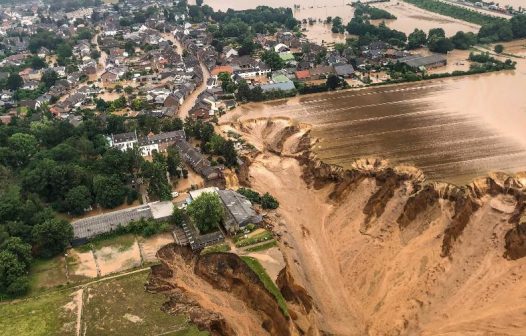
164, 137
239, 207
283, 86
96, 225
344, 69
123, 137
417, 61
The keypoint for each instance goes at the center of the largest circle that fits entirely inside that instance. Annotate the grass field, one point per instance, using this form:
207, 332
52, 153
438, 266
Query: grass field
262, 247
122, 307
118, 306
47, 273
262, 236
41, 316
267, 282
216, 248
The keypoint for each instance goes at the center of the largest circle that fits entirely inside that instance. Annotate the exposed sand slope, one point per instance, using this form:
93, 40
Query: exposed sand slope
377, 264
218, 292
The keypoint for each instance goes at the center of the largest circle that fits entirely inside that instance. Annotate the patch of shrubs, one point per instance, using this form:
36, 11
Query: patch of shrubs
267, 201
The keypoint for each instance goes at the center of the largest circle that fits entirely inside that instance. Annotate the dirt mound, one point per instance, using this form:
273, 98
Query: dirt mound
382, 251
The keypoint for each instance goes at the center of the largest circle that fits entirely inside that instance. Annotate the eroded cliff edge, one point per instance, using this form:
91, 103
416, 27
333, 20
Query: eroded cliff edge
383, 251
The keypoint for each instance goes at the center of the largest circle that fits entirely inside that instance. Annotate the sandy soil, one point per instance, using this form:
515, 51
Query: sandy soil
112, 259
271, 259
240, 317
84, 265
372, 278
150, 246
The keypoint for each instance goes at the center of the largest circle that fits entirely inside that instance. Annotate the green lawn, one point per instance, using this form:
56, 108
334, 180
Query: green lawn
267, 282
123, 242
263, 247
41, 316
224, 247
258, 238
47, 273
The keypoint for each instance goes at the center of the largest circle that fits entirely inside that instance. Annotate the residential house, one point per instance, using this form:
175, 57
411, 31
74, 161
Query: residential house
197, 161
321, 71
238, 211
344, 70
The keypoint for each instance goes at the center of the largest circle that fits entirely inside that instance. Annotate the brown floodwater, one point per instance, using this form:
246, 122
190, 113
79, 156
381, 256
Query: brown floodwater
408, 16
452, 129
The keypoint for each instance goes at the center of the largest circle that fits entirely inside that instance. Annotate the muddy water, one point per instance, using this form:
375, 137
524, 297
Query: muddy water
410, 17
452, 129
514, 3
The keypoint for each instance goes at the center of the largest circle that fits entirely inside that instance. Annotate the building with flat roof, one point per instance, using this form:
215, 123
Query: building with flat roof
89, 227
424, 62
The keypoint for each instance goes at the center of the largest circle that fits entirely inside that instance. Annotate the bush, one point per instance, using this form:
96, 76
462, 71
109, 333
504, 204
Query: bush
499, 48
19, 287
253, 196
269, 202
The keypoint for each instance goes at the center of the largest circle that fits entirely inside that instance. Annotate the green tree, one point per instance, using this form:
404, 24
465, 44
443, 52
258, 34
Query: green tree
436, 33
37, 63
518, 26
49, 78
206, 211
155, 173
77, 200
333, 81
22, 147
129, 47
64, 50
14, 82
19, 248
109, 191
499, 48
272, 59
173, 161
11, 269
137, 104
178, 216
440, 45
463, 40
128, 89
51, 237
416, 39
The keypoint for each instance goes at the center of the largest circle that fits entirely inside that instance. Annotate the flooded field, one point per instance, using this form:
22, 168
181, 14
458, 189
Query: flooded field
410, 17
452, 129
514, 3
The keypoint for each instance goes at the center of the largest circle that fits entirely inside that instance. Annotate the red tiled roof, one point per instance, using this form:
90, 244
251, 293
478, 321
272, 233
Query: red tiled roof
303, 74
225, 68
